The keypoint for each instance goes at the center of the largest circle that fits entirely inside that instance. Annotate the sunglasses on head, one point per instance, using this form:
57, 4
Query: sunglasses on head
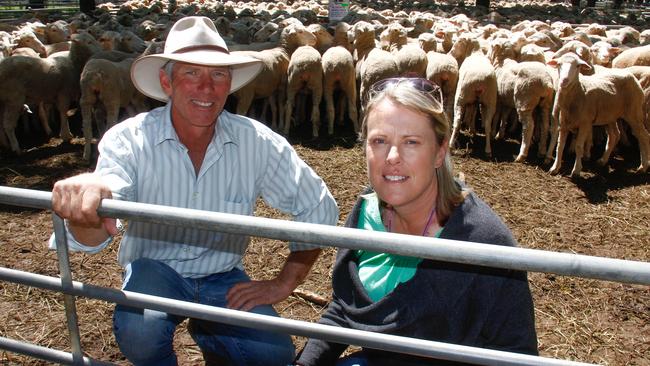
420, 84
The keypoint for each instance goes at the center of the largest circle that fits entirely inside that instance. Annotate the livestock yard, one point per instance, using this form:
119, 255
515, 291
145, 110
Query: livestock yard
602, 211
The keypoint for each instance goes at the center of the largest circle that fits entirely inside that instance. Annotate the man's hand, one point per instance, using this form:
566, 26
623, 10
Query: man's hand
76, 199
246, 295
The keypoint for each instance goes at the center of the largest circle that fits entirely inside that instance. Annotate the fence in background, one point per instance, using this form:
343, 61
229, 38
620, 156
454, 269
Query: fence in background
531, 260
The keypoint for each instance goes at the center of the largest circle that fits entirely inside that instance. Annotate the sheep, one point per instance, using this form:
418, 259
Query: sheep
477, 84
584, 101
428, 42
266, 32
603, 52
131, 42
578, 48
304, 72
341, 37
29, 39
463, 47
532, 52
52, 80
271, 81
442, 70
109, 83
639, 56
446, 37
393, 37
644, 37
411, 61
109, 40
523, 87
7, 44
25, 51
324, 40
58, 31
642, 74
373, 64
338, 68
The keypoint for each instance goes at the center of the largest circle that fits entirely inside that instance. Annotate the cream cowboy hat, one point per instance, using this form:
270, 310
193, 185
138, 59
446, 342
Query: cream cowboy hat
193, 40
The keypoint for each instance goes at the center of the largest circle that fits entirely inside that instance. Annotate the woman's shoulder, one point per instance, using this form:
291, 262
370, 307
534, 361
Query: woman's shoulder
474, 220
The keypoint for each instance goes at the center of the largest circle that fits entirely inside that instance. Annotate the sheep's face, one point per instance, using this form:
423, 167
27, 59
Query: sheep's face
603, 53
569, 66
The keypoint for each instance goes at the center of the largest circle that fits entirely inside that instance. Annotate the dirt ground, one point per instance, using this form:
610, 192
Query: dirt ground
604, 213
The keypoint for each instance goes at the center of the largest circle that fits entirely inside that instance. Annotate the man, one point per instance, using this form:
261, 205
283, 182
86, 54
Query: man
193, 154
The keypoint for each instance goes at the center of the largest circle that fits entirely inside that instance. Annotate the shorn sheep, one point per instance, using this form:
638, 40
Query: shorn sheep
271, 82
442, 69
524, 87
305, 73
338, 70
52, 80
584, 101
639, 56
108, 83
477, 85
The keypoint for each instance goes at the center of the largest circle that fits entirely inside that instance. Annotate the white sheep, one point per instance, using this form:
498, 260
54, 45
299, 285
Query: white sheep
428, 42
477, 85
642, 74
583, 101
53, 80
524, 87
603, 52
107, 83
381, 64
464, 46
442, 70
28, 39
338, 71
271, 82
411, 61
532, 52
324, 39
304, 73
639, 56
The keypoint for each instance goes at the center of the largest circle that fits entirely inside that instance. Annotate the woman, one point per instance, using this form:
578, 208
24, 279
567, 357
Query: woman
406, 133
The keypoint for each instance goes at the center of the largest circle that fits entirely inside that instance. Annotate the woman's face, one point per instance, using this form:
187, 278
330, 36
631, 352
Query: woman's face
402, 153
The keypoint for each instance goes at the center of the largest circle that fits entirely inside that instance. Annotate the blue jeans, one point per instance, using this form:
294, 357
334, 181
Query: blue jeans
146, 336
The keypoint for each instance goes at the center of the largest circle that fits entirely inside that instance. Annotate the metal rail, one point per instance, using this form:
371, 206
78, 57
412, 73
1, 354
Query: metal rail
532, 260
419, 347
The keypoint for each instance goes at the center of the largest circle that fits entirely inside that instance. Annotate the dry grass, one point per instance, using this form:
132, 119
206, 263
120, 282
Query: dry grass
604, 214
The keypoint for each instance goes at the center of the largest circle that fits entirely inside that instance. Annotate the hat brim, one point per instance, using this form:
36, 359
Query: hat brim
145, 70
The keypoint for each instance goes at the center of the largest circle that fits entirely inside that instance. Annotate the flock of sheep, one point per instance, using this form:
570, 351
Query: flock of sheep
553, 78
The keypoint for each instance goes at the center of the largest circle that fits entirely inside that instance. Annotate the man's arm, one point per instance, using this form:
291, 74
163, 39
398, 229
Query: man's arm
246, 295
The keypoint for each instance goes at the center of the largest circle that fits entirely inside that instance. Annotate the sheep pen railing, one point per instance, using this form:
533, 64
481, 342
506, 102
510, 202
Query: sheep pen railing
532, 260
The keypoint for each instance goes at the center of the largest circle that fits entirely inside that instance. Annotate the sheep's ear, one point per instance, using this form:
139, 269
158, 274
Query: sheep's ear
584, 67
615, 51
553, 63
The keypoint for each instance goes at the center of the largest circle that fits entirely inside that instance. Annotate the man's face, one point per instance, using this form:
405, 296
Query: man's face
198, 93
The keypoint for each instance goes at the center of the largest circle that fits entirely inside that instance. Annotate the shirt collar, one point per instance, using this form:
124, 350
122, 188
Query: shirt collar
224, 133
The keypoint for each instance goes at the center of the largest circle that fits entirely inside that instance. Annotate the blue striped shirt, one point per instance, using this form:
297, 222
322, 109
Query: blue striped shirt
142, 160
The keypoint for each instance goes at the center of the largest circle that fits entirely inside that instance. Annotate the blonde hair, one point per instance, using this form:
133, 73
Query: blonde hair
410, 93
